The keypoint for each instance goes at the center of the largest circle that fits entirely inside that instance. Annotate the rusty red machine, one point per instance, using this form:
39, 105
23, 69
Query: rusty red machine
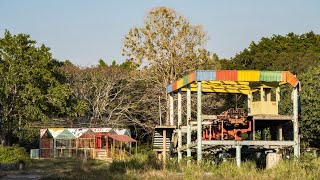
231, 124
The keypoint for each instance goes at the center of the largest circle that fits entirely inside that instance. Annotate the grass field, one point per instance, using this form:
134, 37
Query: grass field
146, 166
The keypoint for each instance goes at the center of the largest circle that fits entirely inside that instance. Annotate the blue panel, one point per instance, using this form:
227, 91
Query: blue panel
169, 88
205, 75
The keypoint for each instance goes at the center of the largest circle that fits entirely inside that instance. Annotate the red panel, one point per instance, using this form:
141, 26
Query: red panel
174, 86
227, 75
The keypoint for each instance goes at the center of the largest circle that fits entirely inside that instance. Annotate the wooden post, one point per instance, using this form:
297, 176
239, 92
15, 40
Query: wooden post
107, 145
164, 148
136, 147
114, 148
222, 130
121, 150
253, 129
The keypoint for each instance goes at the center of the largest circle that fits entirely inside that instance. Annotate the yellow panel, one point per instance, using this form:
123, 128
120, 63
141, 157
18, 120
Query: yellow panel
248, 75
179, 83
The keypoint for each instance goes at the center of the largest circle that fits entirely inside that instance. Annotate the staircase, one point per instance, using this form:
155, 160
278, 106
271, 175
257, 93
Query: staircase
158, 141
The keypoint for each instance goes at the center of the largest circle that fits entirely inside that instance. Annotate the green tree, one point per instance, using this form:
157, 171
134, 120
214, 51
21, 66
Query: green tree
32, 87
310, 106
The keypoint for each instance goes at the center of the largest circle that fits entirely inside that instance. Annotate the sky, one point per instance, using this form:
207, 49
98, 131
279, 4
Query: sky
84, 31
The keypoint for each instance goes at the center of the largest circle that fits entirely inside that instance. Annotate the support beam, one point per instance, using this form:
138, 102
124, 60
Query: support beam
238, 155
164, 150
295, 122
179, 126
253, 129
188, 121
279, 132
171, 109
199, 125
247, 143
278, 97
249, 103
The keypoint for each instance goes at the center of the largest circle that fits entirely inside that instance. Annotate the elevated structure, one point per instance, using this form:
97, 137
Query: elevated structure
263, 91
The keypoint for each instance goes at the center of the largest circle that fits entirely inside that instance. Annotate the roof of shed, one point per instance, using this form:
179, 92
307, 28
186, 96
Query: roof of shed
233, 81
122, 138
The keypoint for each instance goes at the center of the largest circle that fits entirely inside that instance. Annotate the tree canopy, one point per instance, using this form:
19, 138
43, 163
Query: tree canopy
32, 87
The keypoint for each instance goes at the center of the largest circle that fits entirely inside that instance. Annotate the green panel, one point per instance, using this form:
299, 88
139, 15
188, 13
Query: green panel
65, 135
185, 80
270, 76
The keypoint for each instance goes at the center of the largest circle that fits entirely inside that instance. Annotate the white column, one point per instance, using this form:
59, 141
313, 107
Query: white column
295, 122
238, 155
199, 123
171, 109
179, 126
188, 121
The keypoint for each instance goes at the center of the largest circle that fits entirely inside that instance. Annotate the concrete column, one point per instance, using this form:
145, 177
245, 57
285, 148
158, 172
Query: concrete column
278, 98
179, 126
238, 155
199, 123
249, 103
171, 109
295, 123
188, 121
279, 132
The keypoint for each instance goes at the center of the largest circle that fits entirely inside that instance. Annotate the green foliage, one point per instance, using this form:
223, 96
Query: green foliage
310, 105
291, 52
32, 86
13, 154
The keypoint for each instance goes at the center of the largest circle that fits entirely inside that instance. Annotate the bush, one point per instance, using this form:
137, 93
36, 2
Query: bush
13, 154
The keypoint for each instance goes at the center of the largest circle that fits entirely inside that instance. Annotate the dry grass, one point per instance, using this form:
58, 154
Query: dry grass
146, 166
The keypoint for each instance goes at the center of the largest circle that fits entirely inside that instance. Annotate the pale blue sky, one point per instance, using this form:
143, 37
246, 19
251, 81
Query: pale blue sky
84, 31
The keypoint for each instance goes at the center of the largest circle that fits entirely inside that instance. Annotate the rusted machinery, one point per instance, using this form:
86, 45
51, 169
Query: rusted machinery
231, 124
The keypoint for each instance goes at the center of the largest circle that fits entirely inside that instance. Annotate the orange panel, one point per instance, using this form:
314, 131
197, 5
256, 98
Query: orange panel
292, 79
284, 76
226, 75
192, 77
174, 86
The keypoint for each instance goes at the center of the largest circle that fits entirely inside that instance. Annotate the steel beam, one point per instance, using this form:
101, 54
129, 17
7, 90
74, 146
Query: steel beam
247, 143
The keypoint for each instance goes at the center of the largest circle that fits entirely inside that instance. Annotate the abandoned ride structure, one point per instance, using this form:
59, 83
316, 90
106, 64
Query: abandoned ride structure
226, 131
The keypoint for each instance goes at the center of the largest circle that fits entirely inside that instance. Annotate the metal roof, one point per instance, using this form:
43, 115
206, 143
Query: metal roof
122, 138
233, 81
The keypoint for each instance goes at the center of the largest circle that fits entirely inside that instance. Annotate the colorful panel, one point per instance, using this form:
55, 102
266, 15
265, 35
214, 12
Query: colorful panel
292, 79
270, 76
227, 75
205, 75
249, 75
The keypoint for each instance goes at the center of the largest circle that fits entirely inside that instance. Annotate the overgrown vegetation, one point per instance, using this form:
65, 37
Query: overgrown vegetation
146, 166
13, 154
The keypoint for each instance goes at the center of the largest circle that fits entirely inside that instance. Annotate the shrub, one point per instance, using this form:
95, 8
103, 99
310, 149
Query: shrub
13, 154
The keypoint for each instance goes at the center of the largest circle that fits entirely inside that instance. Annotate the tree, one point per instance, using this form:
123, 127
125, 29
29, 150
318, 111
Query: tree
168, 46
310, 105
32, 87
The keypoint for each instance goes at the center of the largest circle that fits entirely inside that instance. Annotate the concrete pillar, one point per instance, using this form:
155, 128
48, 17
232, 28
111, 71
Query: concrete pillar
272, 160
249, 103
199, 123
171, 109
238, 155
295, 123
279, 132
179, 126
188, 121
